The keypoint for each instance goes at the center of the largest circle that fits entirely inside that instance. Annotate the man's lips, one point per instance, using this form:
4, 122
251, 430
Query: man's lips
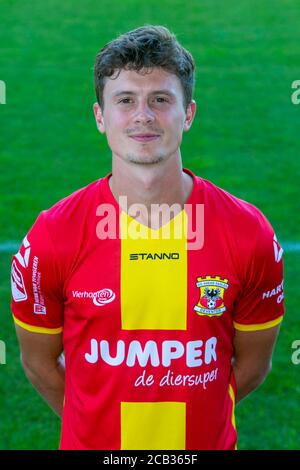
144, 137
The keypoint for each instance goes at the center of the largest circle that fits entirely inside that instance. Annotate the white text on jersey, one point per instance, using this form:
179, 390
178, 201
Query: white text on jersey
196, 352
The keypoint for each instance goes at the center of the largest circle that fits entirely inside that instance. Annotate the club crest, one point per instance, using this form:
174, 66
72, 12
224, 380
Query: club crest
211, 301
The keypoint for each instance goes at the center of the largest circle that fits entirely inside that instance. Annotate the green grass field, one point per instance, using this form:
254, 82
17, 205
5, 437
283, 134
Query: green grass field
245, 139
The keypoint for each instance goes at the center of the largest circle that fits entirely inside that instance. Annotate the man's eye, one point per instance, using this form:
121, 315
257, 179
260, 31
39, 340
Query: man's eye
160, 99
125, 100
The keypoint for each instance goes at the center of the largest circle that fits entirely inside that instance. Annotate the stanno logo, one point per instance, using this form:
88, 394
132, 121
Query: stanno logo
153, 256
99, 298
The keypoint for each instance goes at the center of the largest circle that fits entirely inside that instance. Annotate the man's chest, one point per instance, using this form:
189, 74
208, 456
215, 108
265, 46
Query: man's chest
152, 286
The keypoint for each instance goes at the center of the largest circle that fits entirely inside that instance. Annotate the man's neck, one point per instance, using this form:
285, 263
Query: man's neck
145, 186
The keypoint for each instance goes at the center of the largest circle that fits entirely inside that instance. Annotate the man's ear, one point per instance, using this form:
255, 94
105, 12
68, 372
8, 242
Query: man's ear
99, 118
190, 114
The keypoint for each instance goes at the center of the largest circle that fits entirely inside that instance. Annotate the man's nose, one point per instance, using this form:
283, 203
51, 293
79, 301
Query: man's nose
144, 114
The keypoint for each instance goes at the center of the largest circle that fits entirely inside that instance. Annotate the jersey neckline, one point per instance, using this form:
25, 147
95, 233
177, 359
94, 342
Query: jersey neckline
109, 197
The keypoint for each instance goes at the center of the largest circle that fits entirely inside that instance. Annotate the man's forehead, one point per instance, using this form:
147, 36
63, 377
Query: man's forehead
147, 80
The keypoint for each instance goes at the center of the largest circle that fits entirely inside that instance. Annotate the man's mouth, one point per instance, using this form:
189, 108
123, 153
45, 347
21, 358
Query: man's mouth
144, 137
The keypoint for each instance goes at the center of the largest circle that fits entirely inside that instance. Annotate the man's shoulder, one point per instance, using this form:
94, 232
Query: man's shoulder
228, 205
243, 220
70, 217
63, 225
75, 204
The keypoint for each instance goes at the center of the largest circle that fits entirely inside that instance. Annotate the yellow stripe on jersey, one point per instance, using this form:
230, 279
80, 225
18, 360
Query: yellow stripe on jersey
37, 329
154, 291
153, 426
258, 326
232, 396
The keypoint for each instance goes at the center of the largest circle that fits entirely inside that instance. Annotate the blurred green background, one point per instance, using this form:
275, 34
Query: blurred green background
245, 138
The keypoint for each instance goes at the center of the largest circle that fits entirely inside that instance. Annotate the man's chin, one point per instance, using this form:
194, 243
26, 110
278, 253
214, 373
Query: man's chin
145, 160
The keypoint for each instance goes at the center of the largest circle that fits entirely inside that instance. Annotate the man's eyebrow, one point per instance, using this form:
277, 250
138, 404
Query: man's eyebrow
163, 92
119, 93
155, 92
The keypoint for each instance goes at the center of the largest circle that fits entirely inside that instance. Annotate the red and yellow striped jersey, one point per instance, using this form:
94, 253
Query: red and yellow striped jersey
148, 321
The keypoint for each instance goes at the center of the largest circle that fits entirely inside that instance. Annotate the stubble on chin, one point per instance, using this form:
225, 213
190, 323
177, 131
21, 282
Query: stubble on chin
144, 160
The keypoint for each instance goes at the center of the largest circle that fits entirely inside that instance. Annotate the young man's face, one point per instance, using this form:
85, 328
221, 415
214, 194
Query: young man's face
144, 116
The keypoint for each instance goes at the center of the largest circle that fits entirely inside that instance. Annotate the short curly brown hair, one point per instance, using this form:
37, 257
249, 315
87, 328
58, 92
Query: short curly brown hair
145, 47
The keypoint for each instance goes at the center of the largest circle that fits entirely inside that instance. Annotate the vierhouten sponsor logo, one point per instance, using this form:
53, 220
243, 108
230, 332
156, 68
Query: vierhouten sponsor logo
99, 298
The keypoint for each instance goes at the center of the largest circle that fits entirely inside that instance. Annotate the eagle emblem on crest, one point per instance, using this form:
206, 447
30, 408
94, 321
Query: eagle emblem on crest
211, 298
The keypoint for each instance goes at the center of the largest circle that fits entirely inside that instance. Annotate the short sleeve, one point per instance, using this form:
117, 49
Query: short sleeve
37, 299
260, 304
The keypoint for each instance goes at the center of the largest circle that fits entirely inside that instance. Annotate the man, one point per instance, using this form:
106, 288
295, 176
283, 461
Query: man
162, 335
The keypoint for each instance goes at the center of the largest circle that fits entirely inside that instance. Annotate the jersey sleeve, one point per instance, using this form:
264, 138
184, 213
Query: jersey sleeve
37, 298
260, 304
